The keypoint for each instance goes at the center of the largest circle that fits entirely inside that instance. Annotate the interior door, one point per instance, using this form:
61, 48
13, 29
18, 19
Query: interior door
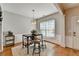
75, 29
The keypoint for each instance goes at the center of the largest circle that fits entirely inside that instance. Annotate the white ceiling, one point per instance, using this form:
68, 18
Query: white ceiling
25, 9
70, 5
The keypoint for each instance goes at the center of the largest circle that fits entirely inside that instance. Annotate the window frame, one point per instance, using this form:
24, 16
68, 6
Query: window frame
49, 29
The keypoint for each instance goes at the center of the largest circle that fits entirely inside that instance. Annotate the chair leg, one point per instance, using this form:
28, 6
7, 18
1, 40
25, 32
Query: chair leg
33, 50
39, 50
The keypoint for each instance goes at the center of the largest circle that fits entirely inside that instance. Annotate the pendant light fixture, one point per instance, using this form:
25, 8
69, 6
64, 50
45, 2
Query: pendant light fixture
33, 21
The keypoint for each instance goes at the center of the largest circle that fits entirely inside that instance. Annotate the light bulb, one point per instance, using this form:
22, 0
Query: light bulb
78, 21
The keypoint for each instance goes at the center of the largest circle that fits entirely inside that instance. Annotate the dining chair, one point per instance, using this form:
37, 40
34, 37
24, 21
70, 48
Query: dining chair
37, 45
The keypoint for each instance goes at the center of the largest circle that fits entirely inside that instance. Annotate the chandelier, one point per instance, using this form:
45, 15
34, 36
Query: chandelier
33, 21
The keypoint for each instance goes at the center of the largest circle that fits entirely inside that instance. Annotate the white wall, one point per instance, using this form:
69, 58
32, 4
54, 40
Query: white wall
60, 27
16, 23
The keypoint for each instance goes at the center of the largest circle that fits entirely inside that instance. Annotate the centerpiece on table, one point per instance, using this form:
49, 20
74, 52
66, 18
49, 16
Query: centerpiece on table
34, 32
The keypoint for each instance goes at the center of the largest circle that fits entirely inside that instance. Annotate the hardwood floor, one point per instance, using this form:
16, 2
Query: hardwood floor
7, 50
59, 51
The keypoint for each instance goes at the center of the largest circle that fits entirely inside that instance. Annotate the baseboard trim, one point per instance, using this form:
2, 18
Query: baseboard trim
52, 43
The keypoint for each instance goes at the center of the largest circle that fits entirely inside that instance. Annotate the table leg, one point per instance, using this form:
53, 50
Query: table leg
42, 39
22, 41
27, 45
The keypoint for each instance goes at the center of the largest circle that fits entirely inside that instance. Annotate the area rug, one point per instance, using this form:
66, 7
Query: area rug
19, 51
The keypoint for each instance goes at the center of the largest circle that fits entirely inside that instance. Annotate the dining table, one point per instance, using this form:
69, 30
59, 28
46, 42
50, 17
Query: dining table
29, 36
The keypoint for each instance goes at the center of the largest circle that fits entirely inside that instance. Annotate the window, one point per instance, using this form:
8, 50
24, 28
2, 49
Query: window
47, 28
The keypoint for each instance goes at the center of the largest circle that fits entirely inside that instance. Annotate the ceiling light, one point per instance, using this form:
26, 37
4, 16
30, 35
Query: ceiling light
78, 21
33, 21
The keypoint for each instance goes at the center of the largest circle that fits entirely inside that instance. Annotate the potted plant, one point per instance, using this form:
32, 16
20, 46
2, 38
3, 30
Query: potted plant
34, 32
10, 33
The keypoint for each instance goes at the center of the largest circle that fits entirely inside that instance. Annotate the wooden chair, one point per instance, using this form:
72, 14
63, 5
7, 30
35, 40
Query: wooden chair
29, 42
36, 41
